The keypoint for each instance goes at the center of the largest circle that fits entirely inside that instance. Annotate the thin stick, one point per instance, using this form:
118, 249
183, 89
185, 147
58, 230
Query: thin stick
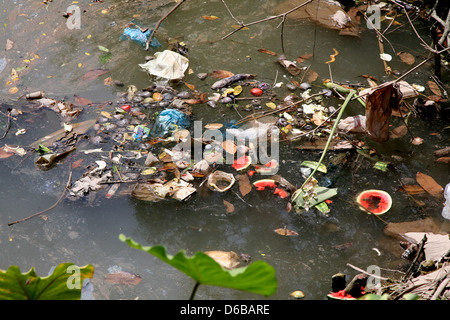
8, 125
43, 211
243, 25
160, 21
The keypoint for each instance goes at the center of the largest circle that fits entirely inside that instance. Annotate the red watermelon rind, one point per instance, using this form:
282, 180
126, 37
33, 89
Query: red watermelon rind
242, 163
383, 199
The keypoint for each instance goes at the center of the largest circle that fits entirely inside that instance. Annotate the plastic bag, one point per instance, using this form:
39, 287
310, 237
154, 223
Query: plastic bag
169, 120
167, 64
140, 37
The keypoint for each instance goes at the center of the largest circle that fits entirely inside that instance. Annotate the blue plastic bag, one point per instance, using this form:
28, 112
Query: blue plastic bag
169, 120
140, 37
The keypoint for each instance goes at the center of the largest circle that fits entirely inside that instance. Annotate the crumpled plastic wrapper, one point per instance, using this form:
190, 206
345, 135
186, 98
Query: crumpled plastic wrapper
167, 64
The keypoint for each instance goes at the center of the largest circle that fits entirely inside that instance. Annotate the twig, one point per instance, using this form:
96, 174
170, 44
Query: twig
283, 15
160, 21
43, 211
369, 274
419, 253
8, 125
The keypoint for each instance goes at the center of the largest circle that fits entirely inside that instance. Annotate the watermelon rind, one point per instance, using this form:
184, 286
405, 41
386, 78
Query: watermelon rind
372, 192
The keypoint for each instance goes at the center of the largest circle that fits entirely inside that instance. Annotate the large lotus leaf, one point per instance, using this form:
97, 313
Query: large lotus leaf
258, 277
65, 283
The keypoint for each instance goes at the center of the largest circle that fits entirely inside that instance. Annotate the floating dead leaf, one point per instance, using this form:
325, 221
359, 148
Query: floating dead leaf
304, 57
94, 74
228, 260
262, 50
82, 101
123, 277
312, 76
13, 90
213, 126
107, 81
9, 44
406, 57
318, 118
210, 17
399, 132
429, 184
411, 189
434, 88
6, 152
245, 186
77, 163
379, 106
443, 159
229, 206
190, 86
221, 74
286, 232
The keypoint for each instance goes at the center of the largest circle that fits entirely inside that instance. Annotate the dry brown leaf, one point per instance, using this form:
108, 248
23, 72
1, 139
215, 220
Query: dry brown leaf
210, 17
190, 86
286, 232
245, 186
82, 101
312, 76
107, 81
399, 132
221, 74
77, 163
213, 126
4, 154
13, 90
267, 51
228, 260
411, 189
304, 57
123, 277
429, 184
434, 88
229, 206
94, 74
406, 57
379, 107
9, 44
443, 159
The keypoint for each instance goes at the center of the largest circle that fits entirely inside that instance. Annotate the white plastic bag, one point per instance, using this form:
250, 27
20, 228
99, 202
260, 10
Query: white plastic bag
167, 64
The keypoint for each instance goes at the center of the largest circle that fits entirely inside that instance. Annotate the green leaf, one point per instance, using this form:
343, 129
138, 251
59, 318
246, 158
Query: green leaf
102, 48
314, 164
64, 283
322, 207
105, 57
258, 277
380, 165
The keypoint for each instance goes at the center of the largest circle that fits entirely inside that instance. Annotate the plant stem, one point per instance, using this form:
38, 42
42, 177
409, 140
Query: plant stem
344, 105
194, 291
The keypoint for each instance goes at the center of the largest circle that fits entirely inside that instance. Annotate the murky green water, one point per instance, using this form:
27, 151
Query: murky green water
53, 59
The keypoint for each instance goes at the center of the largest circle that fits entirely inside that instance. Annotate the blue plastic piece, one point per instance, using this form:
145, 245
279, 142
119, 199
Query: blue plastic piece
169, 120
140, 37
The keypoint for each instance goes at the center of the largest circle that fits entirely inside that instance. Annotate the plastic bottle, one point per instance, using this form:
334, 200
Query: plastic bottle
446, 209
